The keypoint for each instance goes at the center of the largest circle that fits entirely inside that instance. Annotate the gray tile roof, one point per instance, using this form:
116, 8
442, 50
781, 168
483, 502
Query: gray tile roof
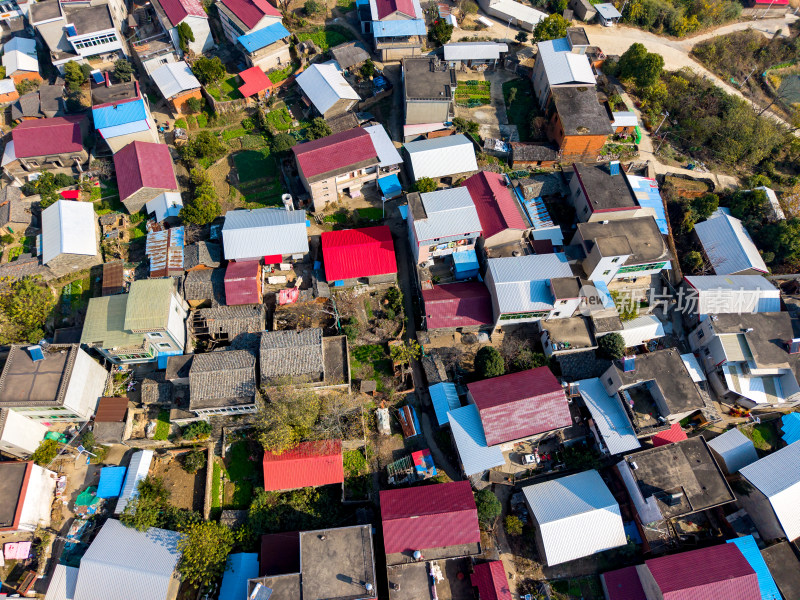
286, 353
202, 253
205, 284
233, 320
226, 378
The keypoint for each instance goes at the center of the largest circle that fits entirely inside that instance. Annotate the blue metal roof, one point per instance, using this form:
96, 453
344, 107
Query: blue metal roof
240, 568
390, 185
119, 114
749, 548
398, 28
465, 264
790, 426
263, 37
445, 399
646, 192
604, 293
476, 456
110, 484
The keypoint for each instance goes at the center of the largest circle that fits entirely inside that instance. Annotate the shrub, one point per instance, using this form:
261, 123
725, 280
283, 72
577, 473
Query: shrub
318, 129
123, 70
441, 31
489, 363
194, 461
197, 430
368, 69
488, 506
611, 346
208, 70
195, 105
282, 142
693, 261
312, 7
470, 8
513, 525
425, 184
45, 453
351, 328
522, 37
7, 239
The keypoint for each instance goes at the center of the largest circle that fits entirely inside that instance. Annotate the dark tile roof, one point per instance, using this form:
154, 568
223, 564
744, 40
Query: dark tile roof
287, 353
226, 378
178, 366
208, 254
26, 106
349, 54
580, 111
205, 284
156, 391
12, 208
541, 185
528, 152
343, 122
234, 320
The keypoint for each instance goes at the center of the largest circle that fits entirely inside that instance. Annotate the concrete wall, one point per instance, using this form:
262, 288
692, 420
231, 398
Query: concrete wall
136, 201
53, 161
760, 510
327, 191
419, 112
38, 499
148, 135
178, 102
393, 54
274, 56
21, 435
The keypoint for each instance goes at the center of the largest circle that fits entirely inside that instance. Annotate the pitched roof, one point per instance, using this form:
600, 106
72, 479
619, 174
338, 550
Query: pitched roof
518, 405
562, 65
208, 254
264, 232
178, 10
335, 153
255, 81
389, 7
242, 284
728, 245
287, 352
144, 165
350, 54
114, 114
434, 516
734, 293
443, 213
354, 253
235, 320
609, 417
494, 202
475, 454
148, 304
240, 567
62, 583
175, 78
309, 464
261, 38
716, 572
225, 378
672, 435
39, 137
15, 60
735, 448
68, 228
522, 283
491, 581
474, 50
205, 284
324, 85
749, 549
168, 204
388, 155
250, 12
461, 304
577, 516
440, 157
623, 584
444, 397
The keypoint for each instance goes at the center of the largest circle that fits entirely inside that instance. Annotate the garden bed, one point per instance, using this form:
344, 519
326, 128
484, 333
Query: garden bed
325, 38
371, 361
473, 93
226, 90
522, 108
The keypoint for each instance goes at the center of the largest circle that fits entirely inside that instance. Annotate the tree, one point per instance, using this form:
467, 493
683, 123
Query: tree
782, 240
146, 508
287, 418
2, 72
521, 37
46, 185
201, 210
208, 70
489, 363
611, 345
318, 129
185, 36
643, 67
406, 352
488, 506
45, 453
194, 461
470, 8
195, 105
426, 184
704, 206
26, 307
527, 359
465, 126
550, 28
693, 261
73, 76
282, 142
513, 525
204, 552
196, 430
26, 86
123, 70
203, 145
368, 69
313, 7
441, 31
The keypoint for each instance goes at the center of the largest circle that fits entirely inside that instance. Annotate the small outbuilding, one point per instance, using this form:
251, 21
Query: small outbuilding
243, 283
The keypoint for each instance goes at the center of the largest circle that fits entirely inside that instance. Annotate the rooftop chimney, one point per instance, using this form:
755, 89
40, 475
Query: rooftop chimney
108, 80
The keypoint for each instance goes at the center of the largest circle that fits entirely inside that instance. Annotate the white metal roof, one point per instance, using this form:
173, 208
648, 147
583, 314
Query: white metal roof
518, 11
325, 86
728, 244
7, 86
522, 283
174, 78
562, 65
62, 584
693, 367
637, 331
9, 155
609, 417
625, 118
772, 198
735, 448
738, 294
264, 232
476, 456
165, 205
19, 61
474, 50
138, 468
777, 476
607, 11
68, 227
450, 213
384, 146
441, 157
577, 516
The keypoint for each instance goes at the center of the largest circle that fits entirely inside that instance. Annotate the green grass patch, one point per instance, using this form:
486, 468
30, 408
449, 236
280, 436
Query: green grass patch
259, 178
282, 74
162, 426
521, 106
243, 475
230, 134
139, 230
368, 308
345, 5
14, 253
181, 123
763, 436
371, 213
327, 37
280, 119
374, 360
202, 120
216, 485
226, 90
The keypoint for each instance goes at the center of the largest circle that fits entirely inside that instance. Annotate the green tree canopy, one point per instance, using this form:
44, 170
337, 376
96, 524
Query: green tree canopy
123, 70
441, 31
287, 418
638, 64
208, 70
318, 129
528, 359
611, 345
312, 7
185, 36
203, 145
521, 37
466, 126
282, 142
45, 453
425, 184
488, 506
194, 461
489, 362
550, 28
73, 76
204, 552
704, 206
26, 308
201, 210
368, 69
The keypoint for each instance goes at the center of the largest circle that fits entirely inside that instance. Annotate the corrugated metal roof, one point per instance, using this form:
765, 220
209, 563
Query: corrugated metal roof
123, 562
522, 283
144, 164
178, 10
623, 584
168, 204
475, 454
562, 66
148, 304
354, 253
335, 154
740, 294
442, 156
491, 581
449, 212
645, 190
728, 245
749, 549
777, 476
119, 113
398, 28
165, 250
735, 448
324, 85
239, 568
264, 232
105, 323
309, 464
250, 12
641, 329
110, 484
7, 86
693, 367
671, 436
22, 44
255, 81
138, 468
124, 129
521, 12
497, 207
474, 51
609, 417
62, 583
15, 61
68, 228
262, 38
625, 118
41, 137
242, 283
111, 410
174, 78
380, 9
461, 304
790, 428
384, 146
445, 398
577, 516
607, 11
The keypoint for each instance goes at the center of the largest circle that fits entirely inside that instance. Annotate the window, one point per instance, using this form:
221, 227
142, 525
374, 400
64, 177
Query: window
585, 209
606, 272
156, 335
613, 260
164, 345
647, 267
610, 381
700, 334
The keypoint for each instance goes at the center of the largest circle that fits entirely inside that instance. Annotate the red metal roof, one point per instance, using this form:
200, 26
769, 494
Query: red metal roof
354, 253
111, 410
255, 81
334, 152
144, 165
519, 405
388, 7
463, 304
309, 464
250, 12
716, 573
624, 584
491, 581
70, 194
40, 137
670, 436
433, 516
496, 207
178, 10
242, 283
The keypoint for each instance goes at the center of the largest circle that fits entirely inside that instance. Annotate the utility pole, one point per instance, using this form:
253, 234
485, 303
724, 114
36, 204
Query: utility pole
666, 114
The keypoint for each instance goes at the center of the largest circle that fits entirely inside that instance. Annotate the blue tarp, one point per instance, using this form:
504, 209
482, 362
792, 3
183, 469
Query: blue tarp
263, 37
465, 264
111, 479
398, 28
390, 186
790, 426
646, 192
749, 548
240, 568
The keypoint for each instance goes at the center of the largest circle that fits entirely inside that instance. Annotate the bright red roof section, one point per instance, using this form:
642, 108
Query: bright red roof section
464, 304
255, 81
250, 12
40, 137
309, 464
624, 584
519, 405
354, 253
432, 516
334, 152
144, 165
496, 207
388, 7
716, 573
178, 10
491, 581
670, 436
242, 285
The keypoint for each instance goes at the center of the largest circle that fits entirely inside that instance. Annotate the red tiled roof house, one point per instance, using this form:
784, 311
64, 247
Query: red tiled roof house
243, 283
240, 17
172, 13
44, 144
144, 172
337, 164
500, 214
353, 256
440, 521
309, 464
520, 406
462, 306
